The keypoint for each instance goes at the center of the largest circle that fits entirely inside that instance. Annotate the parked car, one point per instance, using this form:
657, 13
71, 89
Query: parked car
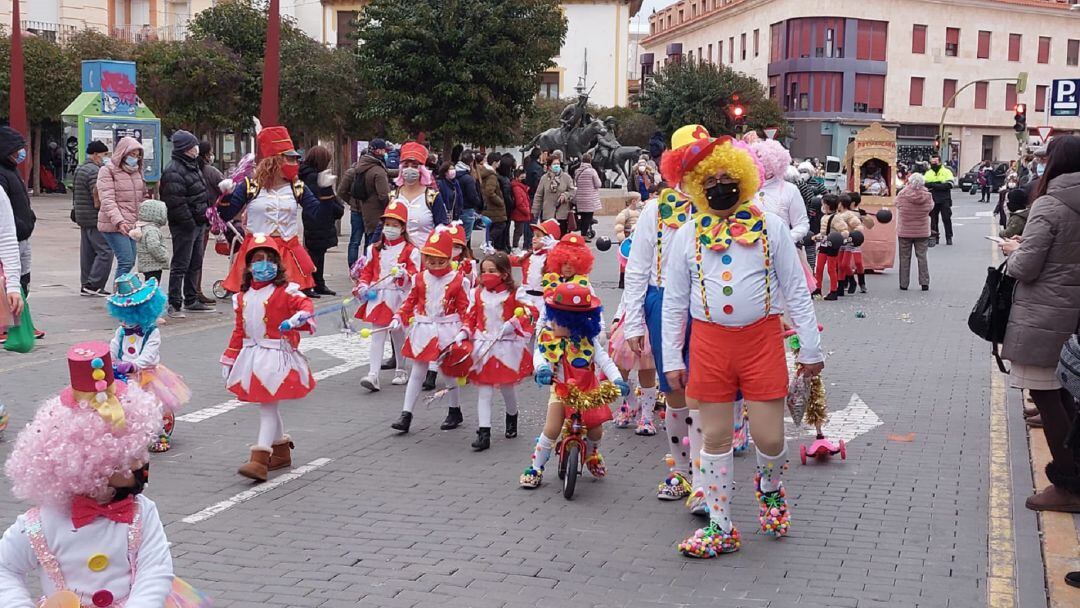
969, 182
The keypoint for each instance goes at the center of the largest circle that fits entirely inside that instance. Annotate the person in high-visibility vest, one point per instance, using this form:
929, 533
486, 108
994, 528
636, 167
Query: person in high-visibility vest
939, 181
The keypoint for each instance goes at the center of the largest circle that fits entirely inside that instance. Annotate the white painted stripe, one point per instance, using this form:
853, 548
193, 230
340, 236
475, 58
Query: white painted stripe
350, 348
247, 495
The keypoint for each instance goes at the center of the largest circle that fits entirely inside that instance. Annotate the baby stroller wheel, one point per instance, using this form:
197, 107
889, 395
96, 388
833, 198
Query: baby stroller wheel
219, 290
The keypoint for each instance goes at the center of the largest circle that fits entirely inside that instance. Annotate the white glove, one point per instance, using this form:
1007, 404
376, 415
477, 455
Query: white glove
326, 179
225, 371
226, 186
298, 319
461, 337
395, 324
509, 328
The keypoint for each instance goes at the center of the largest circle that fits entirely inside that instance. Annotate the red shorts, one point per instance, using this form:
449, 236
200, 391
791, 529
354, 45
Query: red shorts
725, 360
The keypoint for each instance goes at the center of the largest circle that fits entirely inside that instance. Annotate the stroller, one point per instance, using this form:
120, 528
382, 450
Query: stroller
229, 236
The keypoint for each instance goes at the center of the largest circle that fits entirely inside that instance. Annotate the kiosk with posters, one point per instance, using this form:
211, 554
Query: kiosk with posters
870, 163
108, 109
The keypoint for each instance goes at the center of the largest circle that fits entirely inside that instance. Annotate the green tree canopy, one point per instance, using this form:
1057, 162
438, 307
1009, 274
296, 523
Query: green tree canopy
457, 70
690, 92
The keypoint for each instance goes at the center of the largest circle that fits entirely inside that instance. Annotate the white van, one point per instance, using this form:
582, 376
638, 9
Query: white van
834, 179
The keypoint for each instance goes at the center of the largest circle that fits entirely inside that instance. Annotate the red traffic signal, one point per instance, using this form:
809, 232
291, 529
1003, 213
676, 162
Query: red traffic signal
738, 111
1020, 117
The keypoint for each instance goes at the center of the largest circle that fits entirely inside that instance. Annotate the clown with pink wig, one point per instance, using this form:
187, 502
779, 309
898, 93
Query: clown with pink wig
776, 194
728, 268
92, 537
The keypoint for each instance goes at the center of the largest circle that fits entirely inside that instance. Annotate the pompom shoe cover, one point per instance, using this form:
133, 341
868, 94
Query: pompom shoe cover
531, 478
595, 464
675, 487
772, 509
711, 541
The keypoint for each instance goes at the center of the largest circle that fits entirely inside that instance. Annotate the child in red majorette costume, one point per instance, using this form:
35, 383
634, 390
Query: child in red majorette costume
433, 312
262, 363
569, 358
544, 236
461, 258
500, 326
92, 537
383, 282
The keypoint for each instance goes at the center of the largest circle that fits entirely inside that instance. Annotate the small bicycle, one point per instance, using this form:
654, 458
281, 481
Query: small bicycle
570, 450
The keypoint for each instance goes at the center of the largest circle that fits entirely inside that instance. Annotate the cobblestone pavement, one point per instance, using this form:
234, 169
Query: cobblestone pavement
377, 519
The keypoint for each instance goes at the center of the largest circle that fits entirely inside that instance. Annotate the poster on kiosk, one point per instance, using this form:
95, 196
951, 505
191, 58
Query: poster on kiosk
108, 109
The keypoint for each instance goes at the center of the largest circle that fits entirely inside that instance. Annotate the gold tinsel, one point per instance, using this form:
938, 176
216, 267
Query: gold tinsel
815, 403
600, 396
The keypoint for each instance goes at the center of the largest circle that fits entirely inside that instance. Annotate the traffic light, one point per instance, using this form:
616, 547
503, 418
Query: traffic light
736, 111
1020, 117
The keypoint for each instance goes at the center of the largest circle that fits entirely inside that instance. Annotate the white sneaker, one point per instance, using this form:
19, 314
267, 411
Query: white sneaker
370, 382
401, 378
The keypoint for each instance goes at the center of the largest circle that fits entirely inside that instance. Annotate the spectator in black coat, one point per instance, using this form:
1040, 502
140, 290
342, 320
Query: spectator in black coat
320, 233
183, 189
473, 203
534, 170
12, 154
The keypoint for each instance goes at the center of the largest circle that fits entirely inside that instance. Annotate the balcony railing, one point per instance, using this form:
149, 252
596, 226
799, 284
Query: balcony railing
146, 33
53, 32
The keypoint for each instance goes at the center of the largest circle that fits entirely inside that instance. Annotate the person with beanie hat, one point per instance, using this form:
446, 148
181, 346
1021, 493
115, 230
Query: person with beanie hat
183, 188
95, 256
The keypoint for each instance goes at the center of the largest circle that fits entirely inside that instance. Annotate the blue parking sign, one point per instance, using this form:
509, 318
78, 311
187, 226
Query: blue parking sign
1065, 98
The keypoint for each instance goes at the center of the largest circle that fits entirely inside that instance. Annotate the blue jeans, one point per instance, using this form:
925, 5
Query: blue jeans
468, 218
123, 248
356, 223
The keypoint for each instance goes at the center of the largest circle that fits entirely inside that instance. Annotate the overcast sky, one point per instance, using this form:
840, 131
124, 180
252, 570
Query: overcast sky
641, 21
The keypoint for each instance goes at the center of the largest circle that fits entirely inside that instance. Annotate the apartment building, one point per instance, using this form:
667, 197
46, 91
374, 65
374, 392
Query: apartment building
837, 65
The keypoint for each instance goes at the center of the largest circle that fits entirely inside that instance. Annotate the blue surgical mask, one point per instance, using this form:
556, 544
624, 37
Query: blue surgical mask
21, 156
556, 169
131, 161
264, 270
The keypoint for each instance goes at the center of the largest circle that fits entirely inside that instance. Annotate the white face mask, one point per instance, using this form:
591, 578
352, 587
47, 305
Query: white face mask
458, 249
391, 232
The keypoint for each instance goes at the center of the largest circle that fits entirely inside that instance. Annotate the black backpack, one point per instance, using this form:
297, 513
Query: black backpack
359, 190
990, 316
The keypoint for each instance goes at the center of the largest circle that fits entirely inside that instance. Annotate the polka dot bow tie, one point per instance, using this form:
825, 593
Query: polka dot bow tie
745, 226
578, 352
673, 210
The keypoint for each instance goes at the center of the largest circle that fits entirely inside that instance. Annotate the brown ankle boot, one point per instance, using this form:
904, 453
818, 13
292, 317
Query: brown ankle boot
281, 458
1054, 498
257, 467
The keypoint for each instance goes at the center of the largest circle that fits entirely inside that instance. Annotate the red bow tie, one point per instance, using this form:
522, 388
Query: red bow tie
85, 510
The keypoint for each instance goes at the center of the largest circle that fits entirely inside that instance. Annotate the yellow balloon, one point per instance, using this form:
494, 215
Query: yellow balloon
461, 381
394, 271
519, 312
365, 333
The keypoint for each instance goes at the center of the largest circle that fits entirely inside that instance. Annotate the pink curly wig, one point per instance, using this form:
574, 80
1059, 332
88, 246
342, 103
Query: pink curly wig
67, 452
578, 256
773, 156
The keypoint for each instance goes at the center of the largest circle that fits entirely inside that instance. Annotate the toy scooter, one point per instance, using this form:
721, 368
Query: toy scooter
806, 401
822, 448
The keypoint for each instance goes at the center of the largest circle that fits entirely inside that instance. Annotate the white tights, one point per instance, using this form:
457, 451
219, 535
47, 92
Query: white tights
378, 346
486, 395
271, 427
416, 380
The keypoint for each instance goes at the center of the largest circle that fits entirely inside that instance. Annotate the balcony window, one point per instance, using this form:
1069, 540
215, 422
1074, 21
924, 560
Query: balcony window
869, 93
871, 40
952, 41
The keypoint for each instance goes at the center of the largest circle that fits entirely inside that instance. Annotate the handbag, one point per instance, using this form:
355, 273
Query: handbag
990, 316
20, 337
1068, 368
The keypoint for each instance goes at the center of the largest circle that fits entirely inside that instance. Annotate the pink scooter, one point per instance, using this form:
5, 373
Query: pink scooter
822, 448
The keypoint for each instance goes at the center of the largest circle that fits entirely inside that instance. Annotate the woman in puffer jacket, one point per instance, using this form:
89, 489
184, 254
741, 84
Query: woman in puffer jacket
121, 188
625, 222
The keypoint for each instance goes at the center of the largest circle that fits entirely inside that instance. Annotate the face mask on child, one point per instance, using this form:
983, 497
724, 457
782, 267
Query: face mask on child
264, 270
458, 250
492, 281
392, 233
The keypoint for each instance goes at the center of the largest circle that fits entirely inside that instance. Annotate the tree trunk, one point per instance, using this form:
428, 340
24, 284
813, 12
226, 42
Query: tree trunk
447, 147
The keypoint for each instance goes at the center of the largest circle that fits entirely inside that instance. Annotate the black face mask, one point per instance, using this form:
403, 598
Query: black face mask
142, 477
935, 167
722, 196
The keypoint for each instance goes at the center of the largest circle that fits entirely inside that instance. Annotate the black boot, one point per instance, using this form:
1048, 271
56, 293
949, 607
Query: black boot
390, 363
453, 419
403, 423
840, 289
832, 295
816, 292
862, 282
429, 381
483, 439
851, 284
511, 426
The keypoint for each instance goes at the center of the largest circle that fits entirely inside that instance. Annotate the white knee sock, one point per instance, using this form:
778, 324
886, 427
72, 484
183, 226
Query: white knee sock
647, 400
509, 399
416, 380
677, 432
271, 427
485, 395
771, 468
454, 395
542, 451
716, 478
378, 345
697, 439
592, 446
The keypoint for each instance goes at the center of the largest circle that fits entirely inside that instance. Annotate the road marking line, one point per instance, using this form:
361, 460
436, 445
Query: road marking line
351, 349
1001, 569
847, 424
247, 495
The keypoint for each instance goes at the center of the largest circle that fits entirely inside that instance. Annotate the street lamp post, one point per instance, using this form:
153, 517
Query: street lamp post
1021, 86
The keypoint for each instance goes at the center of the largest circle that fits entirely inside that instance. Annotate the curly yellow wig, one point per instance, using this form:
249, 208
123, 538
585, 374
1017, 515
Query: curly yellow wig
732, 157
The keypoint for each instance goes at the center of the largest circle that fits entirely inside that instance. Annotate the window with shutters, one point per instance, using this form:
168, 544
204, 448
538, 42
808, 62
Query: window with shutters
980, 95
731, 49
1072, 54
952, 41
1040, 98
1044, 49
720, 52
918, 39
869, 93
984, 45
915, 92
776, 42
757, 42
742, 47
346, 21
871, 40
1010, 97
710, 53
1014, 46
948, 89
